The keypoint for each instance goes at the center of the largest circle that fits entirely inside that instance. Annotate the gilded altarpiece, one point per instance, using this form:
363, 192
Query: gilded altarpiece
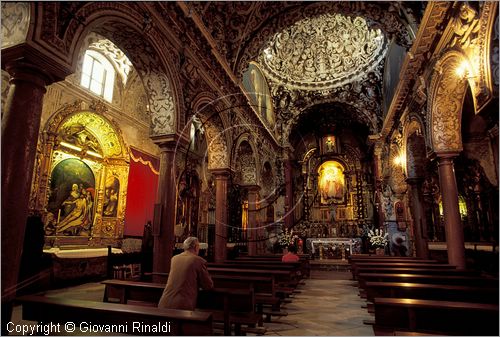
80, 180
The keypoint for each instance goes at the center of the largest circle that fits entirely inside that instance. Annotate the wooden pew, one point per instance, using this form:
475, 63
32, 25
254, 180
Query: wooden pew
229, 305
305, 266
357, 268
374, 261
438, 317
122, 291
280, 276
443, 292
265, 291
427, 279
131, 319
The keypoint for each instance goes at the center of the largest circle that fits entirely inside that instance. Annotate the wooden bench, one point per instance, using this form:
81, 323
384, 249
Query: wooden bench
368, 266
442, 292
280, 276
444, 317
376, 262
427, 279
128, 319
229, 305
122, 291
303, 265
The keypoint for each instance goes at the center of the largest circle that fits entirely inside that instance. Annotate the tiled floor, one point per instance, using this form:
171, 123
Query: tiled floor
328, 305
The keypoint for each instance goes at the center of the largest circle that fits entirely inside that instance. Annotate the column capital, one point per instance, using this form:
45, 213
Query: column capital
221, 173
252, 188
55, 69
172, 141
444, 155
28, 72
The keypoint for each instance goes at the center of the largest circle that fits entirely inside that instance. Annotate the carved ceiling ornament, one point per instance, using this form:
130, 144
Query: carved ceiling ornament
151, 69
15, 23
323, 52
120, 61
447, 92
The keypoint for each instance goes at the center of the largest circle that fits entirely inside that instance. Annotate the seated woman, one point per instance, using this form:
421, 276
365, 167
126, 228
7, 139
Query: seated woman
291, 256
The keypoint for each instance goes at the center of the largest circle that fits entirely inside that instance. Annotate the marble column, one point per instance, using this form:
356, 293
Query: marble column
20, 128
452, 221
289, 205
418, 215
163, 228
221, 182
253, 194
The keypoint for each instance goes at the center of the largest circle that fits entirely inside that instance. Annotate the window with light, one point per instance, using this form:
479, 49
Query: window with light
98, 75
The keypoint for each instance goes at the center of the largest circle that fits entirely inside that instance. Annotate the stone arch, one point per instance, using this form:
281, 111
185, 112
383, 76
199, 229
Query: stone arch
414, 147
217, 148
125, 25
245, 161
447, 93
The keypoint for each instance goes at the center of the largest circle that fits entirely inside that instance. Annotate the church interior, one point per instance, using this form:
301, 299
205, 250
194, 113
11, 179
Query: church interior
344, 129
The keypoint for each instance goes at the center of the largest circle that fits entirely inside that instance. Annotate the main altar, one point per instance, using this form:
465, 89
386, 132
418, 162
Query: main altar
333, 248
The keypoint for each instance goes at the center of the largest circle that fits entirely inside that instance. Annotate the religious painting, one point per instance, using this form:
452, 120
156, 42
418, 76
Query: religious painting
330, 145
111, 193
331, 182
71, 200
256, 86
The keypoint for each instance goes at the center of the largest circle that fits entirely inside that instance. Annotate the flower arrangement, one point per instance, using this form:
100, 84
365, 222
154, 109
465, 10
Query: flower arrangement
377, 238
287, 238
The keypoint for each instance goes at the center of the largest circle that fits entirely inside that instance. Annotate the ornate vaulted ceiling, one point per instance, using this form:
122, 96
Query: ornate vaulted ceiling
312, 53
323, 52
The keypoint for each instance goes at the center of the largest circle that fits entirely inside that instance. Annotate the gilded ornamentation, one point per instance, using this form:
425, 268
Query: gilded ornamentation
15, 23
323, 52
245, 164
445, 106
217, 148
100, 129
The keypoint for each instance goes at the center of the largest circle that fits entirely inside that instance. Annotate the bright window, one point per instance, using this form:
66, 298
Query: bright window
98, 75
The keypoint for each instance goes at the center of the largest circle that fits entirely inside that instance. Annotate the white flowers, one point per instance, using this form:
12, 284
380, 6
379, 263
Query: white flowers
287, 239
378, 238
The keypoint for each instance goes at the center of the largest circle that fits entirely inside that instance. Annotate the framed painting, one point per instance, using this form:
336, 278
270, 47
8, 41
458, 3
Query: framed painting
71, 199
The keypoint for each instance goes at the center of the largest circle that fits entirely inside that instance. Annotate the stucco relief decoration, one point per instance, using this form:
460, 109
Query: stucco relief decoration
15, 23
112, 52
323, 52
448, 92
217, 148
151, 70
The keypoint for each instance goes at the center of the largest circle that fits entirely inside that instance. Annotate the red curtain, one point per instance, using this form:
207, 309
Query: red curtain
141, 192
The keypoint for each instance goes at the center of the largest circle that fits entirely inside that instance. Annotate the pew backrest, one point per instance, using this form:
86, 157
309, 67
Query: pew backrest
135, 320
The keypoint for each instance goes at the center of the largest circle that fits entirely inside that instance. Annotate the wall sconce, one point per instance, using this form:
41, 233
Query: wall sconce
400, 160
465, 70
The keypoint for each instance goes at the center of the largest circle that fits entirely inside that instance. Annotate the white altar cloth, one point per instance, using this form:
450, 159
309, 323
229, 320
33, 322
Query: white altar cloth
352, 243
81, 253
